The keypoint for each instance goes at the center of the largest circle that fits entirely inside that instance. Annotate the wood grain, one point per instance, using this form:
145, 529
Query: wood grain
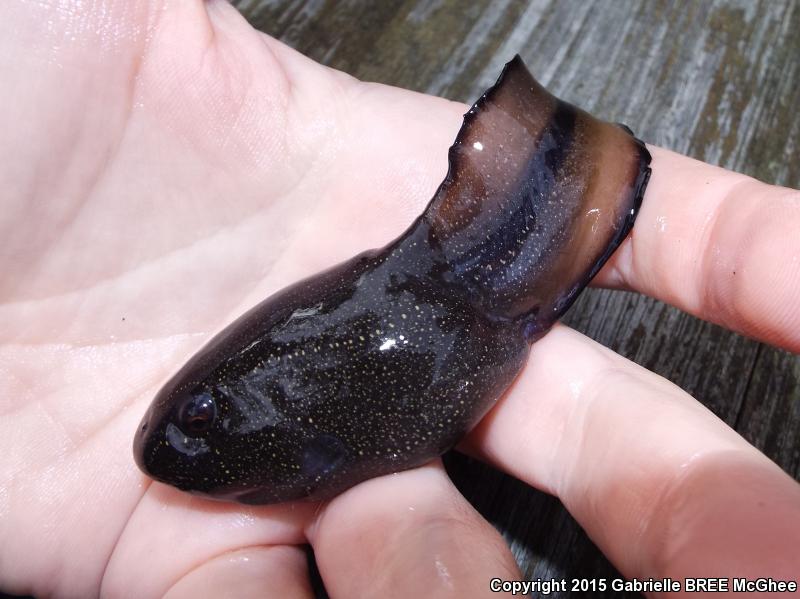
717, 80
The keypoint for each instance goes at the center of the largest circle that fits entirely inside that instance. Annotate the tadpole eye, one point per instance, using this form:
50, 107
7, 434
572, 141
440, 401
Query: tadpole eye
197, 414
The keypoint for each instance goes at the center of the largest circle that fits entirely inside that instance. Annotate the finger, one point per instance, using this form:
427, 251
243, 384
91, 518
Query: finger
258, 572
408, 535
662, 485
719, 245
174, 539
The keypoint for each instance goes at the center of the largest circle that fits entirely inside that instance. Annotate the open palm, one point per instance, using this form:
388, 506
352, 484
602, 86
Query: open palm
165, 167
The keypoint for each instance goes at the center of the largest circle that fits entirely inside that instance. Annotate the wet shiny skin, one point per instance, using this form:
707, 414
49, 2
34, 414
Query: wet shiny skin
387, 360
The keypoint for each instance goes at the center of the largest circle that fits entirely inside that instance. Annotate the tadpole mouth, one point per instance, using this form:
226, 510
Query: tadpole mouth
153, 455
141, 441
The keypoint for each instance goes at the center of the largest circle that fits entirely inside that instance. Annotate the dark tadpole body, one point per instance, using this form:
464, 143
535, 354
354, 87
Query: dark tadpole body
384, 362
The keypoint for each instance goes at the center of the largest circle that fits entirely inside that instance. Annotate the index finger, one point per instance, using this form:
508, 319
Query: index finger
661, 485
717, 244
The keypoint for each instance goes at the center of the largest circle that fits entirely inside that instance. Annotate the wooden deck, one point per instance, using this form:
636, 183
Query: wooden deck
717, 80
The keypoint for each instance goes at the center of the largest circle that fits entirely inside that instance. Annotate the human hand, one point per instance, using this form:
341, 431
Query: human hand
166, 168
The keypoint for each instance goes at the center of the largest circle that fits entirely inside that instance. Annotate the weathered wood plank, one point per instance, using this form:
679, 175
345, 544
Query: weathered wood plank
718, 80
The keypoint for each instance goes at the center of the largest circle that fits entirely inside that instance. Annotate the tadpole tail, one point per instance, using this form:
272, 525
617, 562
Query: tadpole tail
537, 197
